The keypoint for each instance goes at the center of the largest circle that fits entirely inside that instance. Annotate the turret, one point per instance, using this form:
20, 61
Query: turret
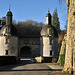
9, 18
48, 18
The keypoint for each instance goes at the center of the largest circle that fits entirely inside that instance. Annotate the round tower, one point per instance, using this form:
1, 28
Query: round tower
49, 40
10, 37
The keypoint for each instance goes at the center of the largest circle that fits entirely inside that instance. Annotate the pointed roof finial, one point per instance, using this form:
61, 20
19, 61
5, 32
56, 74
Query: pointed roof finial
9, 7
48, 10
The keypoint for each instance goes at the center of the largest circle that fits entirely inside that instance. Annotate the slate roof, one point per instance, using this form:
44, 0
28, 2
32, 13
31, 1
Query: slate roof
13, 30
44, 31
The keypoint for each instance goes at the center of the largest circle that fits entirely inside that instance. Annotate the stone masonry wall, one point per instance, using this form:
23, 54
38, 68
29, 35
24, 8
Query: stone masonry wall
2, 45
12, 46
46, 47
33, 43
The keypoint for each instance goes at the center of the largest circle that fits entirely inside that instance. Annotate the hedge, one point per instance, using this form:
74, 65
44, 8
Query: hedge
5, 60
62, 59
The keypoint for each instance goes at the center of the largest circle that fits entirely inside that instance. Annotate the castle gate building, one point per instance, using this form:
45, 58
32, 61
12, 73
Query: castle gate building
29, 46
13, 44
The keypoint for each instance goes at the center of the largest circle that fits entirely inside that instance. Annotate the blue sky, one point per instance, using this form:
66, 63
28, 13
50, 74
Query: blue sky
34, 10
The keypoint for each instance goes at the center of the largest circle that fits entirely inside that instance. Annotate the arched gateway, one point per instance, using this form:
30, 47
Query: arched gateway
25, 52
29, 46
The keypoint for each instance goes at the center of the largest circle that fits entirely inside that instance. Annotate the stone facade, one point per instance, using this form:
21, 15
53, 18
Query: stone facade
33, 43
46, 48
13, 44
70, 45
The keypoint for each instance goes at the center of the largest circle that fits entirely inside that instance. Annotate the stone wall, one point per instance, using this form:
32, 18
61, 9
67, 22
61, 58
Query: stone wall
46, 47
2, 45
12, 46
55, 46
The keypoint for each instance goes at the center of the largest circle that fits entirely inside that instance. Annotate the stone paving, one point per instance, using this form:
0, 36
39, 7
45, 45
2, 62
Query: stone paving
25, 67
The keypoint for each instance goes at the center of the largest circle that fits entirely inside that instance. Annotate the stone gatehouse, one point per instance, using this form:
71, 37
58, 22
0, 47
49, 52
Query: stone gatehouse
28, 45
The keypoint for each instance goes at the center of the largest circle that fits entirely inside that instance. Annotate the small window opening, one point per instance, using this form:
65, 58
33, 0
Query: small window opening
6, 52
50, 52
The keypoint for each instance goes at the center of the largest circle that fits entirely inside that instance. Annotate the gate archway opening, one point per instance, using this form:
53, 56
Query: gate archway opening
25, 52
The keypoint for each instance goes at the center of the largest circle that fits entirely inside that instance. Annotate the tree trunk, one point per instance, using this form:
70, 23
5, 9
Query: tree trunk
70, 45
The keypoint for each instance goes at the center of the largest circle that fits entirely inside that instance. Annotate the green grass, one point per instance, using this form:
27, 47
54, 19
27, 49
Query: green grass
62, 59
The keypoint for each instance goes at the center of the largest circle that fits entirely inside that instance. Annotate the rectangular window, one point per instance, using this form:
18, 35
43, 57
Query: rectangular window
50, 52
6, 52
50, 41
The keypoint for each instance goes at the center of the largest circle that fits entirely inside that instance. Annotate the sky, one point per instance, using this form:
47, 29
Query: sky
34, 10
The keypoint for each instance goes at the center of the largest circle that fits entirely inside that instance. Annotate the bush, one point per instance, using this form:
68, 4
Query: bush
54, 60
5, 60
62, 59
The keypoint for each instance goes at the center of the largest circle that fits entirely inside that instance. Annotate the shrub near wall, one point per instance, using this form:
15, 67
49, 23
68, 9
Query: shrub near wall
6, 60
62, 59
54, 59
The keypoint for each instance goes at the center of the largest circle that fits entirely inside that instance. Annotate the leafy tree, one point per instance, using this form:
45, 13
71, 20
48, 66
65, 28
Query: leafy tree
29, 27
55, 21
